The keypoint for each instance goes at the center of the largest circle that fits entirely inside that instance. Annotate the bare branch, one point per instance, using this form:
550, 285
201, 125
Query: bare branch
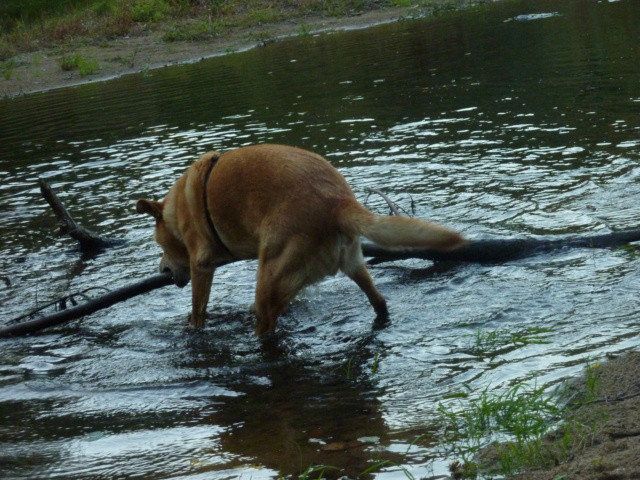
88, 307
88, 240
392, 206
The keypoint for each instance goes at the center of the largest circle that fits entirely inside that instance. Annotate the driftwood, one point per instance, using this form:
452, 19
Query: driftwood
88, 307
87, 240
502, 250
496, 250
476, 251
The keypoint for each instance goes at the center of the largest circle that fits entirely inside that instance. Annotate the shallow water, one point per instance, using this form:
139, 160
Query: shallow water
520, 118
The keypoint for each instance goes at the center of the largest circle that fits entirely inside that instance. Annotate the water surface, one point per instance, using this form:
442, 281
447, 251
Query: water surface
519, 118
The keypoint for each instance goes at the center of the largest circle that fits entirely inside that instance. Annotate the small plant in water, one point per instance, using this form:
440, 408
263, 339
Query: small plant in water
591, 374
315, 472
376, 362
490, 342
632, 251
524, 427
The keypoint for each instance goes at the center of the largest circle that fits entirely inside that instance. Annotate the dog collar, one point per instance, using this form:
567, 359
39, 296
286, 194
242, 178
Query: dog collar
207, 213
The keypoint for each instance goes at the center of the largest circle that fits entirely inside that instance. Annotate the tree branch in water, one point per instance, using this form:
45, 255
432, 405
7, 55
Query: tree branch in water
90, 306
502, 250
87, 240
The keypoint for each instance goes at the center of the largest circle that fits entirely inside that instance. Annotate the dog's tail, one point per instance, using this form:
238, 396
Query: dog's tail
396, 232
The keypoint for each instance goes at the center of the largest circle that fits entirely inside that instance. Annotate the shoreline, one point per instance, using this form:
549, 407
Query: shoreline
41, 71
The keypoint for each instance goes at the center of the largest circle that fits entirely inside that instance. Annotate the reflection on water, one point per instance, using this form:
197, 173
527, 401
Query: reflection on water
517, 119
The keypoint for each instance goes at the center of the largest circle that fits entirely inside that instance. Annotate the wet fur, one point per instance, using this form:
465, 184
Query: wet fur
287, 207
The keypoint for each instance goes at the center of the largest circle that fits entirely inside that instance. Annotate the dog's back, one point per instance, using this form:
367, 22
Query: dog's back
268, 193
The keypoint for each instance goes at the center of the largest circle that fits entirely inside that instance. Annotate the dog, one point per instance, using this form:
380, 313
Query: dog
287, 207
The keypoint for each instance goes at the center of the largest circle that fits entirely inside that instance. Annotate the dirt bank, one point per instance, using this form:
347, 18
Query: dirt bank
42, 70
607, 447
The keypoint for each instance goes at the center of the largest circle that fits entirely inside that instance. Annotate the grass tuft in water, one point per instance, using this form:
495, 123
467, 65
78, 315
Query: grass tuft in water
518, 417
315, 472
488, 343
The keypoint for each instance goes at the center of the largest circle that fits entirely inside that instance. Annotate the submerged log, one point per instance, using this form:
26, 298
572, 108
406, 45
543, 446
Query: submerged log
502, 250
88, 307
87, 240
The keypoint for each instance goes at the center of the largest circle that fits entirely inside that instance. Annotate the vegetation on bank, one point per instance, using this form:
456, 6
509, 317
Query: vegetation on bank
524, 428
501, 433
30, 25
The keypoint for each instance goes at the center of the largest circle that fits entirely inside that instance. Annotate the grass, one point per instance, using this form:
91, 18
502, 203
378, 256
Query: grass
524, 427
85, 66
489, 343
8, 68
353, 369
316, 472
32, 25
194, 30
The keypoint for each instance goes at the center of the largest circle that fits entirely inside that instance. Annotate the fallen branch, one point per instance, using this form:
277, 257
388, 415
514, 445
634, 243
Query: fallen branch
60, 304
476, 251
502, 250
90, 306
87, 240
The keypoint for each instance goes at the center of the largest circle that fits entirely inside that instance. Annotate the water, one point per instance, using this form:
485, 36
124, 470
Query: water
519, 118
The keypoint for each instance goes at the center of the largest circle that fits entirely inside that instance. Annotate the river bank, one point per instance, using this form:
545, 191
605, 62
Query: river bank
605, 428
95, 61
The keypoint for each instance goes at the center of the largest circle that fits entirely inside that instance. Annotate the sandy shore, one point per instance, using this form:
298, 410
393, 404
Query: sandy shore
41, 71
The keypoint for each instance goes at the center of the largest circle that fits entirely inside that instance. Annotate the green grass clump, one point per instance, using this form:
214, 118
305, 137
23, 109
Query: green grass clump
150, 10
8, 68
525, 427
489, 343
518, 417
195, 30
85, 66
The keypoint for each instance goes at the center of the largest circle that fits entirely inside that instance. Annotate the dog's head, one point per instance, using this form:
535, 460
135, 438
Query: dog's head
175, 256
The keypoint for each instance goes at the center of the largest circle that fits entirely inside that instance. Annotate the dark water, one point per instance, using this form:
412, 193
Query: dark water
493, 123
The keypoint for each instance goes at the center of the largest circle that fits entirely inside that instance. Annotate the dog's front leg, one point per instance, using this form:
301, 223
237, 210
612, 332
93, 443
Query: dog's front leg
201, 281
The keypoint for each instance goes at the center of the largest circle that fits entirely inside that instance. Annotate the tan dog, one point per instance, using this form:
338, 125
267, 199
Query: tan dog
287, 207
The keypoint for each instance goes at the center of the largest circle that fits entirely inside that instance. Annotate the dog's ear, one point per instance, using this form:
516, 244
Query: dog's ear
150, 207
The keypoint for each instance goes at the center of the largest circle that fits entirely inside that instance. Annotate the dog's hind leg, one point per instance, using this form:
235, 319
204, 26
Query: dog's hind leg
354, 267
282, 273
365, 282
